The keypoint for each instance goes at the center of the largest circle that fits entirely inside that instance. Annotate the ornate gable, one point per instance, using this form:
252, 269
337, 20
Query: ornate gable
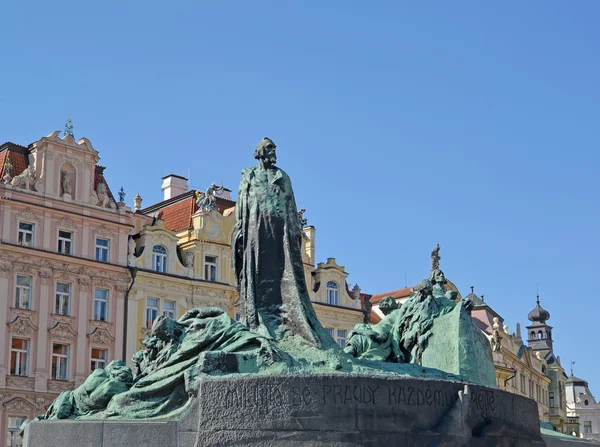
22, 325
19, 404
101, 337
62, 331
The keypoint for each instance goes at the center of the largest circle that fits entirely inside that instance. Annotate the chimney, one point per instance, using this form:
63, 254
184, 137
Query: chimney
226, 193
173, 186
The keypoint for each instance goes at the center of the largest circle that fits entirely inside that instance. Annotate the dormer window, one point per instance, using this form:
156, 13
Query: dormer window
210, 268
159, 259
333, 294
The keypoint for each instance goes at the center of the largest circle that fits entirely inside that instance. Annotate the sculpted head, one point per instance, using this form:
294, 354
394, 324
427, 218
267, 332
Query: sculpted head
387, 305
265, 152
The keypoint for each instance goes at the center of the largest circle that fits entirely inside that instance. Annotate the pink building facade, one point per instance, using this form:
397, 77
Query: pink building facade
63, 274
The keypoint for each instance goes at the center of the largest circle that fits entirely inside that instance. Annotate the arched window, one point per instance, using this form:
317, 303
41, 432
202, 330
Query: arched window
333, 293
532, 336
159, 259
540, 335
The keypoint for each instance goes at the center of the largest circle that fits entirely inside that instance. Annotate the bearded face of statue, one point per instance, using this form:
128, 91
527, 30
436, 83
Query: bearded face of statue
266, 153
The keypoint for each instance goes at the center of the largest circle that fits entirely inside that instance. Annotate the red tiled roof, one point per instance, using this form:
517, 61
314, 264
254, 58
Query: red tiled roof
17, 155
375, 318
400, 293
178, 216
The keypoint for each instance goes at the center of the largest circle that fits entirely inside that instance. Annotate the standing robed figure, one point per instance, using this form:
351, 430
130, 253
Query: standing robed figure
267, 256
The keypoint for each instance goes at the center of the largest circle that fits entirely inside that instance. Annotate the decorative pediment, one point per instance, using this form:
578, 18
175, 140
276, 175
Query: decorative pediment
103, 231
27, 214
62, 331
101, 337
102, 283
19, 404
22, 326
64, 276
65, 222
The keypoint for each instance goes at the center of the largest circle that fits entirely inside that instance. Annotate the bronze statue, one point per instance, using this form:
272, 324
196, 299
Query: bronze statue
435, 258
267, 254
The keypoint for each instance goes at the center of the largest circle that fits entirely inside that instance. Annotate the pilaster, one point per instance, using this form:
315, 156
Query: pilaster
82, 341
42, 359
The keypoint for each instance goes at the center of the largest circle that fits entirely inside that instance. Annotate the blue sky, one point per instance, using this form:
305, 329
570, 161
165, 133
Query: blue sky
472, 124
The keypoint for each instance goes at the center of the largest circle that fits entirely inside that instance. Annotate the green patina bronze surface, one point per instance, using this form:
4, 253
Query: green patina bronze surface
428, 336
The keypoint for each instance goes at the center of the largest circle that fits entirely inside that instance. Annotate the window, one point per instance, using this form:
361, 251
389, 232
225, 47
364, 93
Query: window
60, 362
587, 427
341, 337
63, 298
522, 383
25, 237
333, 296
329, 331
12, 434
102, 249
169, 309
531, 388
23, 292
586, 402
100, 304
98, 358
551, 400
159, 259
152, 308
64, 242
238, 317
19, 357
210, 268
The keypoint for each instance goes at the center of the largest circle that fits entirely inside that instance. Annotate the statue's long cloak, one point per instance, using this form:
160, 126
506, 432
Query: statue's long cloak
268, 259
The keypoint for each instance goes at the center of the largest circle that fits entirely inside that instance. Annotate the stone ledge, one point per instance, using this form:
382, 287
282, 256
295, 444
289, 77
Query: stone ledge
319, 410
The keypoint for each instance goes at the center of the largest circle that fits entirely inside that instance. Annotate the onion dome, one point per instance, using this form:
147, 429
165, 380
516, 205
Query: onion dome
539, 314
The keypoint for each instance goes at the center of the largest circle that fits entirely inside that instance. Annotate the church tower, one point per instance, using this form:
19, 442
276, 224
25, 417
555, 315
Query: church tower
539, 336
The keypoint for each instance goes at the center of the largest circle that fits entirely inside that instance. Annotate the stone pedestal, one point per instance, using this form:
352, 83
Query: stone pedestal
318, 410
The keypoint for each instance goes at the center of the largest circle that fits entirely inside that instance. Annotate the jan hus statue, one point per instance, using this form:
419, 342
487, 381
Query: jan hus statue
267, 255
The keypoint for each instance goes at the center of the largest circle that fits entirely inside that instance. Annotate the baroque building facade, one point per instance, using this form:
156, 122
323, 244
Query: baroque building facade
583, 411
63, 273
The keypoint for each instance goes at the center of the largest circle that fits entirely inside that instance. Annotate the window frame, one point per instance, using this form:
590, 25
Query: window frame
59, 300
13, 370
56, 374
96, 300
19, 292
96, 361
587, 425
341, 340
170, 313
211, 267
25, 233
150, 322
102, 249
333, 293
65, 240
157, 256
13, 432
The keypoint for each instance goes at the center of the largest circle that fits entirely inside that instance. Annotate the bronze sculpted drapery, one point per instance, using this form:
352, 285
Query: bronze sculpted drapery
267, 254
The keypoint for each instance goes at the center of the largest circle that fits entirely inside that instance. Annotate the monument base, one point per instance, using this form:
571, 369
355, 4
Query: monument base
317, 410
